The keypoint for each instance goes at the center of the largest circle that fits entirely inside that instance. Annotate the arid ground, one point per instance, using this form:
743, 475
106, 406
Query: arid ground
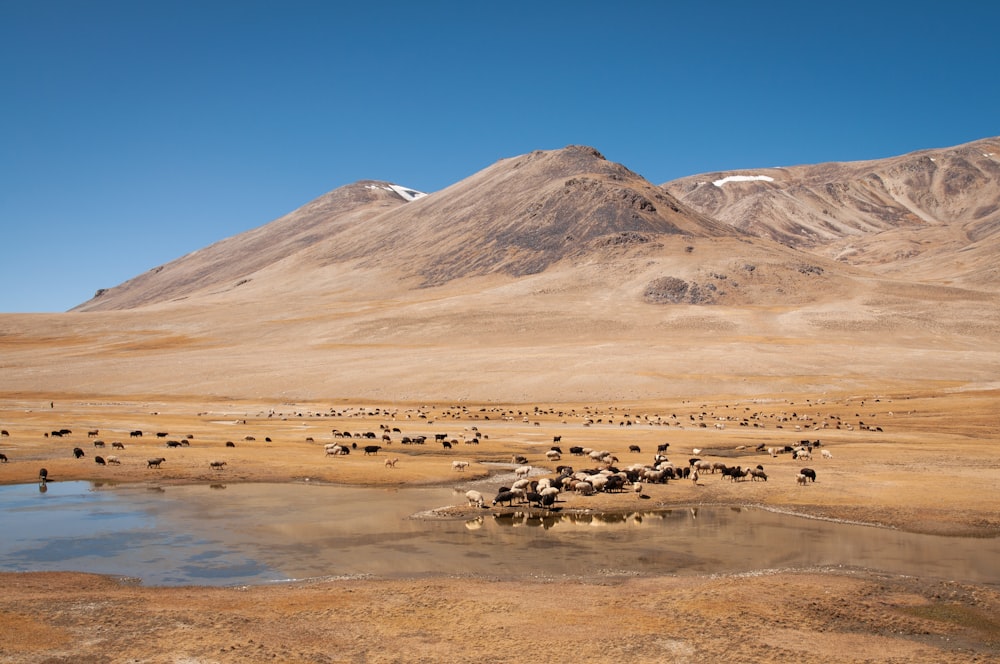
922, 462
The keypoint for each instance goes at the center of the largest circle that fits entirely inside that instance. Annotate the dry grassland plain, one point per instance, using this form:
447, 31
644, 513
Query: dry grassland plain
921, 462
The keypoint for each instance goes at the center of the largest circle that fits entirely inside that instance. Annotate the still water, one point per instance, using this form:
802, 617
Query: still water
259, 533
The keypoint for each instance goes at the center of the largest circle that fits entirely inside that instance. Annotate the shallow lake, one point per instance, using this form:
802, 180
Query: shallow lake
259, 533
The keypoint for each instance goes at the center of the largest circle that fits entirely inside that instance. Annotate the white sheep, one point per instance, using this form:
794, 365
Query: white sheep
827, 454
113, 460
552, 455
459, 465
475, 498
522, 471
584, 488
801, 479
391, 463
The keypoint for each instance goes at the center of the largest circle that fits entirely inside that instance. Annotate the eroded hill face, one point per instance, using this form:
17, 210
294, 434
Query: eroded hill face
930, 215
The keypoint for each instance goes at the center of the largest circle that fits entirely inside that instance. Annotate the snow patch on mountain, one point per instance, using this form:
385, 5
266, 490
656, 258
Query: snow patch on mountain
742, 178
405, 193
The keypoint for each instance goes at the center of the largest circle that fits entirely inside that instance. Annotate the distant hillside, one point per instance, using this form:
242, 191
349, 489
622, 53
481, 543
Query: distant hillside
516, 217
909, 214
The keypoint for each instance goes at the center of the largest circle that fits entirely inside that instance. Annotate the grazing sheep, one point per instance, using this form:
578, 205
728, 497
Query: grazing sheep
154, 463
391, 463
801, 479
99, 460
475, 498
459, 465
827, 454
577, 450
113, 460
3, 458
552, 455
635, 449
117, 446
230, 443
505, 497
522, 471
98, 443
217, 465
519, 459
78, 453
758, 474
584, 488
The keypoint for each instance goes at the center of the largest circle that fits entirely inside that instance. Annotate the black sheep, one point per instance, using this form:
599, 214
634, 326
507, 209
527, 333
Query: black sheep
505, 497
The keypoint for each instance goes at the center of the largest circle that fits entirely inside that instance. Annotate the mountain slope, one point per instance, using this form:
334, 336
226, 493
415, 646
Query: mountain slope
516, 217
913, 213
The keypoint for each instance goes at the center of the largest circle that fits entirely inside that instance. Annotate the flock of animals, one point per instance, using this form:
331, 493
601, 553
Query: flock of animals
547, 481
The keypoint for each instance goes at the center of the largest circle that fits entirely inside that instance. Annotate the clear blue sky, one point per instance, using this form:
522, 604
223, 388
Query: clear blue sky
136, 131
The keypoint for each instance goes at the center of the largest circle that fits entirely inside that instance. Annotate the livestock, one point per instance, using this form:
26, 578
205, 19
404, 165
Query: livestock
556, 439
113, 460
758, 474
445, 444
372, 449
801, 479
173, 443
635, 449
78, 453
552, 455
4, 433
827, 454
162, 434
3, 458
440, 437
135, 434
391, 463
548, 499
584, 488
522, 471
810, 473
230, 443
217, 465
662, 447
98, 443
93, 433
99, 460
576, 450
117, 446
556, 448
519, 459
154, 463
43, 475
459, 465
505, 497
475, 498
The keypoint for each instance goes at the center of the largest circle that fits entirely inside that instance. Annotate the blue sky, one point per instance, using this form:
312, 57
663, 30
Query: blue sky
134, 132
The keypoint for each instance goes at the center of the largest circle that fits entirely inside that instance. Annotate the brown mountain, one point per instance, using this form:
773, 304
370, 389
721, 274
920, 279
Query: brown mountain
555, 275
928, 215
516, 217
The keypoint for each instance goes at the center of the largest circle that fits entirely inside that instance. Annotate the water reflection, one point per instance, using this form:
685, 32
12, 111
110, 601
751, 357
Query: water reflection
225, 534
